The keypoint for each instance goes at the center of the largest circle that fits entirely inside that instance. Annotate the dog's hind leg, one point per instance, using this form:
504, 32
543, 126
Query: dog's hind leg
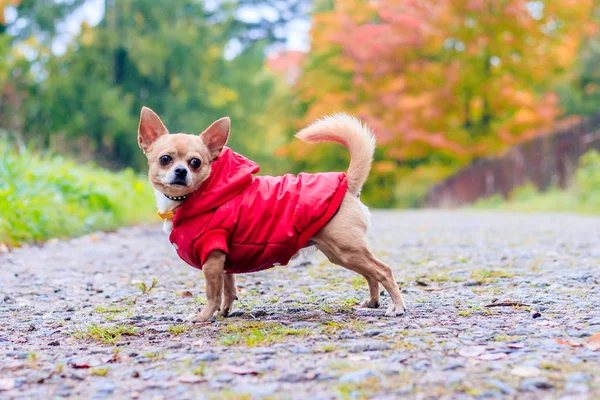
343, 240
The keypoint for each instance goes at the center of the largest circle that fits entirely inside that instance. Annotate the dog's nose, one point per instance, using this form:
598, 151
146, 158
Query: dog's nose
180, 172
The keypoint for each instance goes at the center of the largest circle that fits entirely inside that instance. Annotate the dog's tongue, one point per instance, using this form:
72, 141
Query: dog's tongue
231, 173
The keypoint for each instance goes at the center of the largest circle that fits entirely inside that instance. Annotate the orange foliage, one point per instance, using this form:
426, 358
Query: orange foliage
455, 76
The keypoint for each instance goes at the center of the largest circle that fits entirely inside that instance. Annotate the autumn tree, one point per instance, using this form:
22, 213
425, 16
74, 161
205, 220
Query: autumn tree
442, 81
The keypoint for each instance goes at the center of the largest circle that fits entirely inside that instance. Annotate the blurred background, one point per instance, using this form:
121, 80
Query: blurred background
485, 102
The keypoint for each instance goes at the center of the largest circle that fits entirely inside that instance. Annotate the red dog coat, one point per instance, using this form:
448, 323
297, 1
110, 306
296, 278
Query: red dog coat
257, 221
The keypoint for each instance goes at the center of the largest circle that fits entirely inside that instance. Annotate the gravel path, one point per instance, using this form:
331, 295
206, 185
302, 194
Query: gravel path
75, 320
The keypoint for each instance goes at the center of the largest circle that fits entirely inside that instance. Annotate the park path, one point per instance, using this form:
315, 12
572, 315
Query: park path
299, 332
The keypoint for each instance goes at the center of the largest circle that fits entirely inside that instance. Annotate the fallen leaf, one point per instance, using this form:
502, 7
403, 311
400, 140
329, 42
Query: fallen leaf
84, 363
111, 359
525, 371
187, 293
471, 351
594, 342
492, 356
516, 345
241, 370
567, 343
7, 383
189, 378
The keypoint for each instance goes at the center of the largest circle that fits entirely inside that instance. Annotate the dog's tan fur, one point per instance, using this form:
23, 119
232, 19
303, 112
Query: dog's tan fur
343, 240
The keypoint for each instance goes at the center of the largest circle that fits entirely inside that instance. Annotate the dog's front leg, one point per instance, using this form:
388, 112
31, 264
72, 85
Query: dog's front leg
213, 273
229, 294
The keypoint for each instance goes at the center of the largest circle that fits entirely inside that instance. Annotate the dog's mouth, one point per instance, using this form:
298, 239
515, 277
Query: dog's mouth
179, 182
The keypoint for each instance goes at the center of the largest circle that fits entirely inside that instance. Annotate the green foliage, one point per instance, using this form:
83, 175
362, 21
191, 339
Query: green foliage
588, 182
583, 196
48, 196
579, 90
170, 56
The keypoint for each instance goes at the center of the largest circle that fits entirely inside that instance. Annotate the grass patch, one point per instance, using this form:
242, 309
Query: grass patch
154, 355
177, 329
43, 196
111, 313
258, 333
328, 348
489, 276
110, 310
106, 334
200, 370
332, 327
344, 306
361, 390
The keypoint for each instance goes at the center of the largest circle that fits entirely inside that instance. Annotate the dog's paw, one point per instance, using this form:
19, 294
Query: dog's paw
199, 317
194, 318
370, 303
226, 310
394, 310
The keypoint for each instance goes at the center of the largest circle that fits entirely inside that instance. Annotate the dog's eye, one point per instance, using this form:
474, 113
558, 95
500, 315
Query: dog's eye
195, 163
165, 160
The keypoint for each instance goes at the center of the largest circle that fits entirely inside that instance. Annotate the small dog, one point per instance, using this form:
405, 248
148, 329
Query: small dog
224, 220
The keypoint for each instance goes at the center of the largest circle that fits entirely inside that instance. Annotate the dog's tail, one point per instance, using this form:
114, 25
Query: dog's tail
353, 134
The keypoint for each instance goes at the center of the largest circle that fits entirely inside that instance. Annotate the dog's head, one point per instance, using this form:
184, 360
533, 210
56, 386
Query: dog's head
179, 163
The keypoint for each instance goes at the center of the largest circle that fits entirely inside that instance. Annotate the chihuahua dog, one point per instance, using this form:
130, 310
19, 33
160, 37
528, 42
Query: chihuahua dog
223, 219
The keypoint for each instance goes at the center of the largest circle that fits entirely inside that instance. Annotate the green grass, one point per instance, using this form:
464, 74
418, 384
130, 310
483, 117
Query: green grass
257, 333
177, 329
106, 334
110, 310
583, 197
43, 197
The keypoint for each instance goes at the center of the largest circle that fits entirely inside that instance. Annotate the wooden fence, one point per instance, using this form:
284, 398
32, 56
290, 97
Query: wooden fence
548, 160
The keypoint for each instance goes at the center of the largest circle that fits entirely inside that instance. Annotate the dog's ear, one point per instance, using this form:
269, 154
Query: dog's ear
150, 129
215, 136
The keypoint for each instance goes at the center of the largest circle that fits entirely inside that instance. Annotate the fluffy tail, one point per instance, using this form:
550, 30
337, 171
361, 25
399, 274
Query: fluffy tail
353, 134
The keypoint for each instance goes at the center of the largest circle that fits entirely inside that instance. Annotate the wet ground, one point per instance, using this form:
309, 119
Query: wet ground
502, 306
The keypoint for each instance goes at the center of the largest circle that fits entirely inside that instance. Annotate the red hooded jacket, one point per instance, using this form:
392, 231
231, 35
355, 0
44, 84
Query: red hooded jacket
257, 221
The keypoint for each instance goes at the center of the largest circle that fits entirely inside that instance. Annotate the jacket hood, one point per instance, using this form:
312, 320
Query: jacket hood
230, 174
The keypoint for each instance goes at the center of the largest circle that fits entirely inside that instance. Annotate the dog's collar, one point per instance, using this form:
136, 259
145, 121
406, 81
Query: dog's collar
177, 198
171, 214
